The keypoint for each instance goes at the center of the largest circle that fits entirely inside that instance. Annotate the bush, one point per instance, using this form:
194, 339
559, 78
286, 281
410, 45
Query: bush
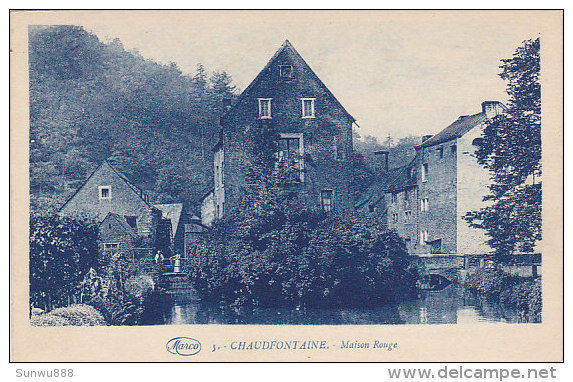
303, 259
74, 315
488, 281
139, 286
119, 293
515, 292
62, 250
525, 296
48, 320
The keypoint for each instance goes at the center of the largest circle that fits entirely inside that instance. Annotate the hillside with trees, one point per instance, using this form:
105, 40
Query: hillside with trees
91, 101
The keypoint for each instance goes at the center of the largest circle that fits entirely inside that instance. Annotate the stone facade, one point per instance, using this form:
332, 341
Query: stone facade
288, 98
471, 186
116, 234
107, 191
437, 198
208, 209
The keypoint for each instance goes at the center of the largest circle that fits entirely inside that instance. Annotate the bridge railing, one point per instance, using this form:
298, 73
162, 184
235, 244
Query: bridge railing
521, 265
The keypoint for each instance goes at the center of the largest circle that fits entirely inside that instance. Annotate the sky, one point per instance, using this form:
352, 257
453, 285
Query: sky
398, 73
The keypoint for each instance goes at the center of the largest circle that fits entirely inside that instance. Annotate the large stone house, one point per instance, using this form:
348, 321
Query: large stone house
314, 130
425, 201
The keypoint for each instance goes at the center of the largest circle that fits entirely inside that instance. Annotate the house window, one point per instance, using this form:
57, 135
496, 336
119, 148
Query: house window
441, 152
307, 107
424, 172
285, 71
219, 161
339, 149
105, 192
407, 216
327, 200
423, 237
424, 205
406, 195
394, 197
453, 149
371, 208
265, 108
132, 221
290, 154
110, 246
394, 217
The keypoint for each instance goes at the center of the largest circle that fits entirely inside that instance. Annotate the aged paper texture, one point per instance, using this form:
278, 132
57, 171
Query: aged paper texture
167, 139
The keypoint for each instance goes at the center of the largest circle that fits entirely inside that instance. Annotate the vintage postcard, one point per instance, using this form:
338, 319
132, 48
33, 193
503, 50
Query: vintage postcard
198, 186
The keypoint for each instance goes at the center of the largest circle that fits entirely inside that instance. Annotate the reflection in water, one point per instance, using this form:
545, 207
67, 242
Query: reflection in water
451, 305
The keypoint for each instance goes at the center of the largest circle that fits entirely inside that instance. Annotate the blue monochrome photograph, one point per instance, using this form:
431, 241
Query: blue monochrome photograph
297, 175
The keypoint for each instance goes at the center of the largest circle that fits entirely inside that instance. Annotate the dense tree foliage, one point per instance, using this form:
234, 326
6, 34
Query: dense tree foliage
66, 268
62, 250
303, 258
91, 101
511, 150
277, 250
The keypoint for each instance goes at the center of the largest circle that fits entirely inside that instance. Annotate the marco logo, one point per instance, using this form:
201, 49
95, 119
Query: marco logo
183, 346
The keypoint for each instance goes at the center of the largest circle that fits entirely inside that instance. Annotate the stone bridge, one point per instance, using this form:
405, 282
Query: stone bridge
454, 267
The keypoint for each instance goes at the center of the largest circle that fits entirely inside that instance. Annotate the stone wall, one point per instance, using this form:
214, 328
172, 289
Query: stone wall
439, 189
473, 180
327, 138
402, 215
124, 201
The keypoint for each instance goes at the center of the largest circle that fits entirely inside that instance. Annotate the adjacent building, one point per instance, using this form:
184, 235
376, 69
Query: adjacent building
314, 132
183, 226
126, 218
106, 191
426, 200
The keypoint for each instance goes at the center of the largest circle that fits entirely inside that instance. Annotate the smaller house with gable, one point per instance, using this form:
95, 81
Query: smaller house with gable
109, 197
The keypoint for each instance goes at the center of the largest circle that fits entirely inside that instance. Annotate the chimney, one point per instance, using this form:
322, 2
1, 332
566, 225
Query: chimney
426, 137
381, 160
492, 108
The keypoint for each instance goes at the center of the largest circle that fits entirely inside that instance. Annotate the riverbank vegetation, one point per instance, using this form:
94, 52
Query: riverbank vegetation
522, 294
303, 259
74, 315
66, 269
274, 249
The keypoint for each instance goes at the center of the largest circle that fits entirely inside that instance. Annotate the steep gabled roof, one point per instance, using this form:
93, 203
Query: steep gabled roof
122, 223
139, 192
396, 179
286, 45
372, 195
457, 129
400, 178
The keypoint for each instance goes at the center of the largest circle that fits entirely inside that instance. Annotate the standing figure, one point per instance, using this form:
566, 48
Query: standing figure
177, 263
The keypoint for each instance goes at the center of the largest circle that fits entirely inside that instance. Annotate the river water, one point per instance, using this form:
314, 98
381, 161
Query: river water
451, 305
